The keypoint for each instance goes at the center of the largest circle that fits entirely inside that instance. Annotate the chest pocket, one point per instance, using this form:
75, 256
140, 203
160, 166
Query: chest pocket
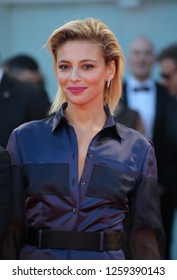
111, 184
47, 179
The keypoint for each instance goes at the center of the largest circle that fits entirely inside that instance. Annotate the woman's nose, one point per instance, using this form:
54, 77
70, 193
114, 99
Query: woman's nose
74, 75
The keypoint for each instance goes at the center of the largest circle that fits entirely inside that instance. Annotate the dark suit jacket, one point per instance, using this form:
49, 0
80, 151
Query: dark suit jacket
19, 103
159, 129
5, 193
127, 117
170, 150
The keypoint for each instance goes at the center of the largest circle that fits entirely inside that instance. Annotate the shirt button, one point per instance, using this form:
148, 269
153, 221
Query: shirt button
83, 182
90, 156
74, 210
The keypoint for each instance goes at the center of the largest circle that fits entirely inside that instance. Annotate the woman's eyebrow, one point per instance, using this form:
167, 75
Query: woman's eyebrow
83, 60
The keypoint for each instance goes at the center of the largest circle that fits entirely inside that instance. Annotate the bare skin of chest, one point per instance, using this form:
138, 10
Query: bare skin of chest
84, 140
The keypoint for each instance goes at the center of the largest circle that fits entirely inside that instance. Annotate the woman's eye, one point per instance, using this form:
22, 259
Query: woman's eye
88, 66
63, 67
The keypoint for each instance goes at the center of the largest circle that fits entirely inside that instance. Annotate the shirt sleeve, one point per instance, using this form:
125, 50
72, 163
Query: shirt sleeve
145, 231
15, 236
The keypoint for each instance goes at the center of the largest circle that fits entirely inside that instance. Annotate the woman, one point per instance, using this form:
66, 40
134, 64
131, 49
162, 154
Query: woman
78, 173
5, 194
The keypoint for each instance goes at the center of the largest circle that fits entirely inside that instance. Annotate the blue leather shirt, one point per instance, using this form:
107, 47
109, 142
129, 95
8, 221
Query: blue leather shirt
118, 180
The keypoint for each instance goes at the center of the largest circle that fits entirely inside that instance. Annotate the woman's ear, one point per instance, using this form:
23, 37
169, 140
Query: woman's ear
111, 69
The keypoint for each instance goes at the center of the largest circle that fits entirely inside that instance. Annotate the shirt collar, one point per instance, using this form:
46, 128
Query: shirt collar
110, 122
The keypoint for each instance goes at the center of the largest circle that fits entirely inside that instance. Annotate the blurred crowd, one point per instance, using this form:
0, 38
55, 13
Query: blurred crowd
147, 105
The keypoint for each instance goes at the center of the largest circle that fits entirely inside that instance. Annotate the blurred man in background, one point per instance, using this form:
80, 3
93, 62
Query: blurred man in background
141, 92
148, 98
24, 68
168, 68
168, 65
20, 102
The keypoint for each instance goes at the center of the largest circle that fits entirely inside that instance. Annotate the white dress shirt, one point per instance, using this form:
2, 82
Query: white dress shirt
143, 101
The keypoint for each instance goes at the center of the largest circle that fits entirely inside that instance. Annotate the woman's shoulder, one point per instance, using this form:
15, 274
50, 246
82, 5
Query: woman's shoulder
35, 126
134, 137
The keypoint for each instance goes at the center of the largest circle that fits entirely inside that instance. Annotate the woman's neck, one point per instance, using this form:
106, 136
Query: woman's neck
86, 117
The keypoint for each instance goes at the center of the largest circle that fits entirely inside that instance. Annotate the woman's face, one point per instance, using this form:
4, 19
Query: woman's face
82, 72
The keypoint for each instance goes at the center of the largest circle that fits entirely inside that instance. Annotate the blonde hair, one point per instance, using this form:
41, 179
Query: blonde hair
94, 30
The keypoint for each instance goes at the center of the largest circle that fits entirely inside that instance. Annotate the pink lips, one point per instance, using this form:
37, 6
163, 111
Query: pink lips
76, 89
